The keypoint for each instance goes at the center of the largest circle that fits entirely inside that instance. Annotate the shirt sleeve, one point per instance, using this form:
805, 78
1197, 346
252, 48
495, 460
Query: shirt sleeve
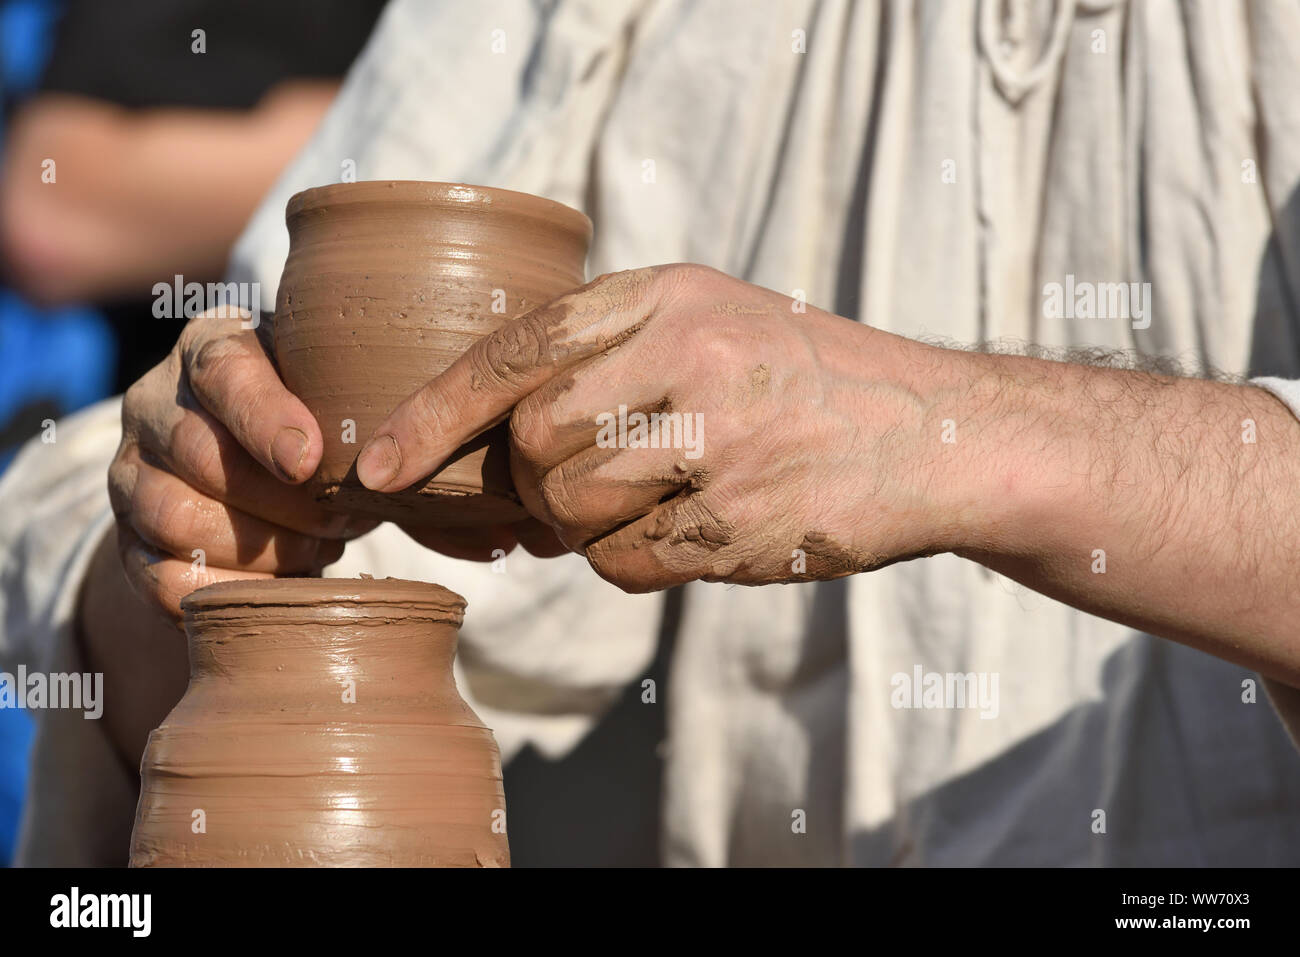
1286, 700
1288, 390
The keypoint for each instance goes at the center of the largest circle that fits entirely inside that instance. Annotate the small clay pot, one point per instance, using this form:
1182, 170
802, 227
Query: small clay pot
386, 284
321, 727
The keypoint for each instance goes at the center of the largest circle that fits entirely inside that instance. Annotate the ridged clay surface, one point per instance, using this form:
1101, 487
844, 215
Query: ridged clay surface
386, 284
286, 770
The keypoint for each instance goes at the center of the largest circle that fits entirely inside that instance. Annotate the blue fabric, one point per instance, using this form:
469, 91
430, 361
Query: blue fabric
65, 356
26, 34
61, 359
15, 745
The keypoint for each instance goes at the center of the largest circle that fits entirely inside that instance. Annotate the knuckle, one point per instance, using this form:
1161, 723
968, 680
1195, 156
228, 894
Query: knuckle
561, 496
675, 274
143, 395
203, 362
164, 515
195, 451
145, 572
528, 430
676, 278
610, 562
604, 279
626, 290
119, 491
123, 474
198, 332
217, 320
135, 399
601, 557
429, 412
513, 350
170, 582
212, 361
713, 349
205, 355
190, 334
699, 522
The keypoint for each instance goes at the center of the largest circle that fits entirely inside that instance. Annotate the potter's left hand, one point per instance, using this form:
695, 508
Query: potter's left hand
785, 462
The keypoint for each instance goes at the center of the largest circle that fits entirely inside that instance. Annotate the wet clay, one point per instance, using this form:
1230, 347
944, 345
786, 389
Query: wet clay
321, 727
386, 284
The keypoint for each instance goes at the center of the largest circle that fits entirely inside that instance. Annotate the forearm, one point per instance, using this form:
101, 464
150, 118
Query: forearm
1172, 505
138, 196
143, 657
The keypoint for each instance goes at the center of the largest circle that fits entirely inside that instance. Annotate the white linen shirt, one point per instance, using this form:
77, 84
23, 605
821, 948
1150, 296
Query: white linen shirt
927, 167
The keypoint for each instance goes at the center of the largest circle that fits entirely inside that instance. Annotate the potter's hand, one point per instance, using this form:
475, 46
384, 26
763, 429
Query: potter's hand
203, 484
1172, 505
785, 461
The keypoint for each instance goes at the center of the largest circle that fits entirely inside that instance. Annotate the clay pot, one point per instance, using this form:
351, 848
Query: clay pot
321, 727
386, 284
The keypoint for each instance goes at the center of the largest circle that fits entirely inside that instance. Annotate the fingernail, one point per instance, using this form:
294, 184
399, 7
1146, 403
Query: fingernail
287, 450
379, 462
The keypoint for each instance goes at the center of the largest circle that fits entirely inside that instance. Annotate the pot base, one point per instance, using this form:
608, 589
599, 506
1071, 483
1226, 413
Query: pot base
471, 489
433, 505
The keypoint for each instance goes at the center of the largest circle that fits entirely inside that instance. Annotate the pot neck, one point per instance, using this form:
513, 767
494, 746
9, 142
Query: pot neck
289, 642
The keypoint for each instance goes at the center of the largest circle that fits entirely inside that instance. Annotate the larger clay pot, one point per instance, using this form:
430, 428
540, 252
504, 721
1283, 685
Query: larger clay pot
386, 284
321, 726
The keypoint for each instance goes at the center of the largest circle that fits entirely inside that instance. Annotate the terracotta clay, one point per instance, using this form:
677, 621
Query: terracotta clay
321, 727
385, 285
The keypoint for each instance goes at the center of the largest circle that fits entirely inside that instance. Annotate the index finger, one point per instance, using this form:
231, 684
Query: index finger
480, 388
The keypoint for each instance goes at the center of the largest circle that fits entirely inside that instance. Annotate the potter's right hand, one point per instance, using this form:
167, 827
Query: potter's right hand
204, 484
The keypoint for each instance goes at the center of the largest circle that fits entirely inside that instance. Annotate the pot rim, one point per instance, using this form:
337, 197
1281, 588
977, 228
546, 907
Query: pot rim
454, 196
360, 593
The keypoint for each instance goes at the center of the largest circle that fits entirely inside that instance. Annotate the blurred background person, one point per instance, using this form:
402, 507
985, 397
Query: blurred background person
138, 138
